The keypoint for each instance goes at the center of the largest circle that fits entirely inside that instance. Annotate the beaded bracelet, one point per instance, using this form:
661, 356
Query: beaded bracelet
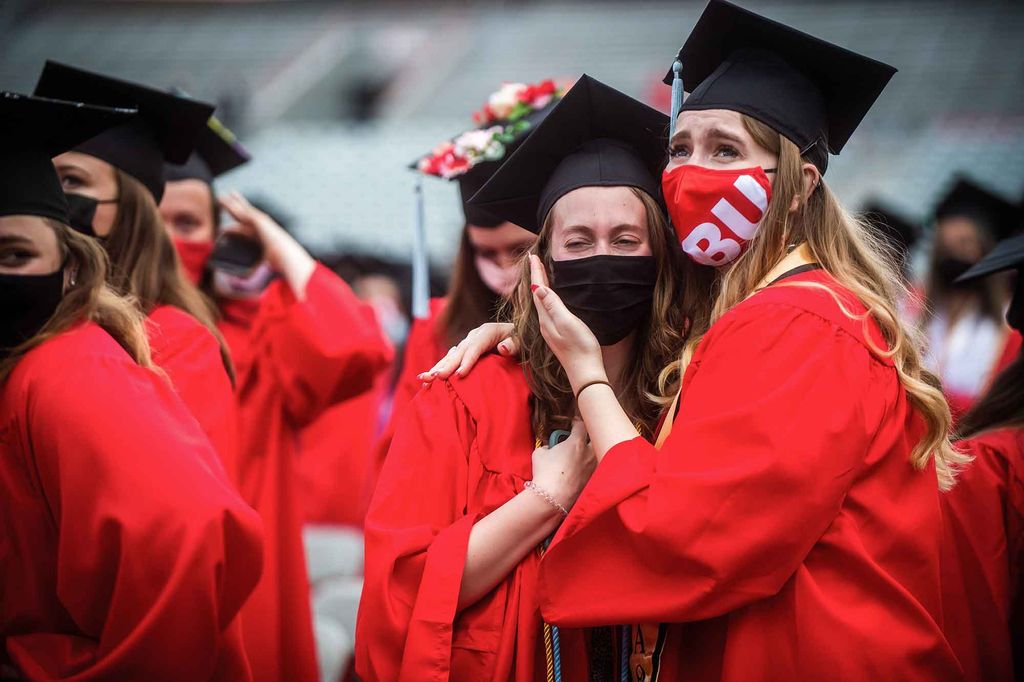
546, 496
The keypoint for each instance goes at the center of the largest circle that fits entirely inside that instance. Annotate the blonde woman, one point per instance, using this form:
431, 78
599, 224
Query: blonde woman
789, 525
466, 496
124, 551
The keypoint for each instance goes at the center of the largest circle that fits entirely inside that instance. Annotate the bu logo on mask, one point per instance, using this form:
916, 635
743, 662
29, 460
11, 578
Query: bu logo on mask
703, 201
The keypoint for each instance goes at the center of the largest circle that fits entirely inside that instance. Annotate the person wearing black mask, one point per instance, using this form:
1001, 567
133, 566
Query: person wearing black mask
126, 553
450, 570
968, 343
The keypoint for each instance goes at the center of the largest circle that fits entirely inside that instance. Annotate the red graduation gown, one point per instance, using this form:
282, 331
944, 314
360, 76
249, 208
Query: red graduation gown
781, 526
190, 356
984, 576
125, 554
462, 449
294, 359
337, 456
423, 348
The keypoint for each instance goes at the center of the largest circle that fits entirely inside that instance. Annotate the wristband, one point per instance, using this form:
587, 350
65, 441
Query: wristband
546, 496
589, 384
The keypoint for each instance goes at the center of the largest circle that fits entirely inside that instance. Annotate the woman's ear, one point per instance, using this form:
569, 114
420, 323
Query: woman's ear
811, 177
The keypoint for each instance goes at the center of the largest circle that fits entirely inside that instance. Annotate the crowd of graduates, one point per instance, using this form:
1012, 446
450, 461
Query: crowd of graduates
681, 414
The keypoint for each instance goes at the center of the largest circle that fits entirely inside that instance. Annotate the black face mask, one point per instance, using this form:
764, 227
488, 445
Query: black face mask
82, 211
27, 302
948, 268
611, 294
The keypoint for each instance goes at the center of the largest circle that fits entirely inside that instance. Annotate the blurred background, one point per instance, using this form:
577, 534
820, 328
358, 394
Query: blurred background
335, 99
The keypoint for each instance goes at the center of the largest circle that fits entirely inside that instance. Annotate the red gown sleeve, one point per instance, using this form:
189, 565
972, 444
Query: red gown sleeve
321, 350
982, 570
417, 533
155, 551
191, 357
772, 427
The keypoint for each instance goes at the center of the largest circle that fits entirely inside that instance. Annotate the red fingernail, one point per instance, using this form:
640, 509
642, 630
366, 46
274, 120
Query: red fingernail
534, 287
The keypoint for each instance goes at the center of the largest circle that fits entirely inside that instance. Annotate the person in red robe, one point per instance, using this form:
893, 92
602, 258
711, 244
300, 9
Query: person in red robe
114, 183
983, 579
451, 570
968, 341
301, 346
126, 554
786, 524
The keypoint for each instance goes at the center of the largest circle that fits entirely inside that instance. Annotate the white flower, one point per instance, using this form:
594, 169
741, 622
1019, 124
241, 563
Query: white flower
476, 142
504, 100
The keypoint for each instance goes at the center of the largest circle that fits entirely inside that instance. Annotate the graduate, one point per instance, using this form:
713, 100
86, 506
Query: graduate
114, 183
983, 586
301, 343
126, 554
788, 526
486, 267
466, 496
190, 208
968, 341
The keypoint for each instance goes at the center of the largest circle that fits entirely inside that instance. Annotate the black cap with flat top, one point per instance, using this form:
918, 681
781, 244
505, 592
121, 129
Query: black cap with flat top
969, 199
32, 131
812, 92
1007, 255
165, 129
217, 152
595, 136
900, 232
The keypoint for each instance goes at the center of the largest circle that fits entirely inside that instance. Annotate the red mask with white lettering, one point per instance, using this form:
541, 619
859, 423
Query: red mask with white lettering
716, 212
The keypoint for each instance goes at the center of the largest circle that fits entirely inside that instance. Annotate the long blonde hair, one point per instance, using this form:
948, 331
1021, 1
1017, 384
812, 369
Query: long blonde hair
849, 250
659, 337
144, 262
89, 298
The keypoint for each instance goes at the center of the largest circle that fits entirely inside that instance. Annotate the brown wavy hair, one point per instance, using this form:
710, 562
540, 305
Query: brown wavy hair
1002, 405
659, 337
89, 298
849, 250
144, 262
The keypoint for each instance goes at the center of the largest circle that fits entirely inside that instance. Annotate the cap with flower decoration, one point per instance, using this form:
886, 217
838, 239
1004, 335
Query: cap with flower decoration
505, 121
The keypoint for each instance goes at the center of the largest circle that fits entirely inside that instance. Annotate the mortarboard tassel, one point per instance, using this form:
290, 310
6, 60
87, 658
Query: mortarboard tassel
420, 261
677, 95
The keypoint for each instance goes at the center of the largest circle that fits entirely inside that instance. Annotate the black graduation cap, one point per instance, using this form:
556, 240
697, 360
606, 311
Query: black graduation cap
809, 90
901, 232
1007, 255
512, 134
32, 131
165, 129
217, 151
595, 136
969, 199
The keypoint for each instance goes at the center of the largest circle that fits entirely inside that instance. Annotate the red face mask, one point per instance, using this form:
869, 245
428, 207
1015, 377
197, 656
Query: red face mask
716, 212
193, 256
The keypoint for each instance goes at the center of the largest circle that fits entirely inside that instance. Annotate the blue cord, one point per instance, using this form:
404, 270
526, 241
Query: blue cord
677, 96
624, 654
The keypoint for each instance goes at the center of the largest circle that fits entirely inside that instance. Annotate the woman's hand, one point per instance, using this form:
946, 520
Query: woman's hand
568, 337
284, 254
563, 470
461, 358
